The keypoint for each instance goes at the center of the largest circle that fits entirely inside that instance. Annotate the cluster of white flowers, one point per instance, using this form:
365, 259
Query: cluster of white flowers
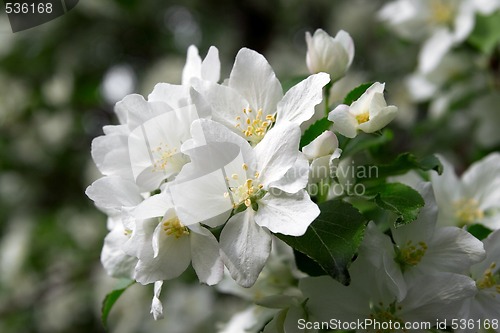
441, 24
205, 173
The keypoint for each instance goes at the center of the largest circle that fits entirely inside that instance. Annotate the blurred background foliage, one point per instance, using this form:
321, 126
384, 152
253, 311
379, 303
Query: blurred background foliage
58, 85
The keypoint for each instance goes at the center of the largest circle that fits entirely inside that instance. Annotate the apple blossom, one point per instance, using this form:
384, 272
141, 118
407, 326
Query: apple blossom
246, 182
332, 55
322, 152
441, 23
420, 248
370, 296
369, 113
472, 198
485, 304
165, 246
252, 101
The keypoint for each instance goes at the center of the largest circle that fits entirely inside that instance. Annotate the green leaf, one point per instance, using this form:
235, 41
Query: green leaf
365, 141
307, 265
112, 297
332, 239
356, 93
404, 163
479, 231
314, 131
398, 198
486, 33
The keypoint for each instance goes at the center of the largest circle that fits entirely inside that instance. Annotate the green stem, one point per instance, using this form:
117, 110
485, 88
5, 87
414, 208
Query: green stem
326, 93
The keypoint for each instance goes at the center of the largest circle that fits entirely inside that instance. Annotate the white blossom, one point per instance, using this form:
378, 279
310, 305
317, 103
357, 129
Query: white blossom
323, 153
165, 247
369, 296
252, 100
472, 198
227, 175
332, 55
420, 248
369, 113
440, 23
485, 304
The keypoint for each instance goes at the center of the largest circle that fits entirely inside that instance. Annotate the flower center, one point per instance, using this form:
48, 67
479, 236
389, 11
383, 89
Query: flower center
165, 157
254, 127
173, 226
467, 211
410, 255
385, 314
363, 118
441, 12
246, 192
489, 279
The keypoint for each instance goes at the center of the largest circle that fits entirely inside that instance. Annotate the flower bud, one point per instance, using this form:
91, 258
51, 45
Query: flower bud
328, 54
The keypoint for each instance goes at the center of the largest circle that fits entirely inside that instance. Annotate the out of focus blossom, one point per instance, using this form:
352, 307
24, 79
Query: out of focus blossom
332, 55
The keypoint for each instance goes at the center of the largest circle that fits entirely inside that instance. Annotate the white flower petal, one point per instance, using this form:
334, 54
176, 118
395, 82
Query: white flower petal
295, 178
205, 131
277, 152
288, 214
325, 144
486, 7
205, 256
453, 250
482, 181
343, 121
137, 110
226, 103
192, 68
298, 103
210, 67
174, 256
447, 190
112, 194
464, 21
345, 39
320, 169
363, 103
156, 306
140, 242
328, 54
154, 206
245, 247
175, 96
116, 262
206, 193
378, 249
254, 79
492, 248
436, 296
110, 154
434, 49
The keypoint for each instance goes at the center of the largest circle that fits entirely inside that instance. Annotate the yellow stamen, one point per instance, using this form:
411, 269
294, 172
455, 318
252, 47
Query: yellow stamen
411, 255
468, 211
363, 118
255, 126
442, 12
488, 279
173, 226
